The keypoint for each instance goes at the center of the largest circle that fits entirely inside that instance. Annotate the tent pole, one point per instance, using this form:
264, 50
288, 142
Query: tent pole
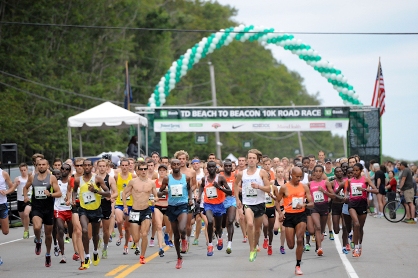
81, 144
70, 143
138, 132
146, 141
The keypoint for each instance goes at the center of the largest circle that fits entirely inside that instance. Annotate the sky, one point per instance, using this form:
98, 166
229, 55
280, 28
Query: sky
357, 56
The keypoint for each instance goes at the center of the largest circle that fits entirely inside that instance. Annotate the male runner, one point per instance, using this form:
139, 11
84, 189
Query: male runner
196, 165
4, 209
230, 204
240, 213
22, 207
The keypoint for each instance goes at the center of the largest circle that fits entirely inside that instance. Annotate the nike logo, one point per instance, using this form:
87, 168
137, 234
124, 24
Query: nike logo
236, 126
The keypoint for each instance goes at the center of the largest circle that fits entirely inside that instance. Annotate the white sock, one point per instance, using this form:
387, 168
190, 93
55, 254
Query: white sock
210, 244
87, 256
359, 246
95, 252
356, 246
229, 244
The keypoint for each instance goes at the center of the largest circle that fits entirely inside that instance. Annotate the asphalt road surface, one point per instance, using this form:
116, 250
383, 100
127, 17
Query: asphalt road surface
389, 250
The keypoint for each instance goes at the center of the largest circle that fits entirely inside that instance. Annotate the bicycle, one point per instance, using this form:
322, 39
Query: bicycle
394, 211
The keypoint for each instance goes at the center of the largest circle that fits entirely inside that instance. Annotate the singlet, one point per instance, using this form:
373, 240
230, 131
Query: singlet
59, 203
295, 195
120, 185
272, 176
3, 198
106, 202
317, 196
177, 191
305, 180
269, 199
89, 200
252, 196
157, 187
355, 193
39, 199
112, 173
22, 183
342, 191
213, 195
329, 175
200, 175
230, 181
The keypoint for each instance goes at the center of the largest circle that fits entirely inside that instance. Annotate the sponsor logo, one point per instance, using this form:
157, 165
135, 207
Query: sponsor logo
216, 125
236, 126
338, 125
163, 113
261, 125
317, 125
196, 125
289, 126
328, 112
173, 113
170, 126
337, 112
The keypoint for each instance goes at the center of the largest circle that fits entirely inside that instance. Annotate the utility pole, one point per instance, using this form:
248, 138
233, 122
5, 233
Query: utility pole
214, 103
300, 138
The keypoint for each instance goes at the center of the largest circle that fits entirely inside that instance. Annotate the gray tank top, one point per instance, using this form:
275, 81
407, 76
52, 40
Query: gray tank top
39, 198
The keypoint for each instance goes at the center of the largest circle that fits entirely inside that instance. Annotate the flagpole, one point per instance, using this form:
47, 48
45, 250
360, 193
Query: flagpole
380, 122
127, 86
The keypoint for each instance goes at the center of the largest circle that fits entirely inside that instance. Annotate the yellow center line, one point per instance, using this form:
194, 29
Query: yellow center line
116, 270
129, 270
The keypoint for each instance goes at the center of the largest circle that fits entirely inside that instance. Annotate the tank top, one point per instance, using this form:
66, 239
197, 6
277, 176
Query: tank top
120, 185
355, 193
200, 175
269, 200
230, 181
317, 196
89, 200
213, 195
39, 198
59, 203
157, 187
3, 199
112, 173
177, 191
106, 202
295, 195
342, 191
305, 180
272, 176
22, 183
252, 196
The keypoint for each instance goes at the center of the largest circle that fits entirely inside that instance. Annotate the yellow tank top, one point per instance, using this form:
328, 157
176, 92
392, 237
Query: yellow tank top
120, 185
88, 199
269, 200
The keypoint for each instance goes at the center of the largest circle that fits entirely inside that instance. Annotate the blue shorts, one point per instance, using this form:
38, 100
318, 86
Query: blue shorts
217, 210
4, 211
121, 208
152, 208
230, 202
345, 209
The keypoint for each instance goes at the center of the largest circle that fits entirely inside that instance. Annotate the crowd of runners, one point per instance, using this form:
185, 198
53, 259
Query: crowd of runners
168, 199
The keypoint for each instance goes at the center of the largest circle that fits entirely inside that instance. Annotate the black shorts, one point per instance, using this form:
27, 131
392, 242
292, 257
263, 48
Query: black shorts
321, 208
94, 216
308, 211
106, 214
330, 206
106, 206
337, 208
382, 189
144, 214
74, 209
22, 205
162, 209
293, 219
360, 206
173, 212
258, 209
270, 212
46, 215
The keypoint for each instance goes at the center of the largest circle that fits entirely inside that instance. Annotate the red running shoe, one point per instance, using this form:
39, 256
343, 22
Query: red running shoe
265, 243
270, 250
179, 263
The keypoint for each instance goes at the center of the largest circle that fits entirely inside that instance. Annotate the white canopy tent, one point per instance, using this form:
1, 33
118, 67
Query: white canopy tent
104, 116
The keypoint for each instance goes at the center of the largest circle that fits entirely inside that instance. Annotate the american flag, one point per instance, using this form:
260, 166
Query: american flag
379, 91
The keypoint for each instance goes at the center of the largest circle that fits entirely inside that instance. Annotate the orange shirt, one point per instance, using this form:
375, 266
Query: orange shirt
213, 195
230, 180
295, 194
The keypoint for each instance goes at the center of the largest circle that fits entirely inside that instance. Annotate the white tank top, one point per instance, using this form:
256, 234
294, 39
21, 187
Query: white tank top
22, 183
305, 180
252, 196
112, 173
200, 175
59, 203
3, 199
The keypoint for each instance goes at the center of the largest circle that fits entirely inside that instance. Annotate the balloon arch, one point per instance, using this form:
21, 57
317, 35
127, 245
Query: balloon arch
251, 33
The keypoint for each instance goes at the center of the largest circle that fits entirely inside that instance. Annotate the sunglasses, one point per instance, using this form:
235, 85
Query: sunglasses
142, 169
65, 168
78, 165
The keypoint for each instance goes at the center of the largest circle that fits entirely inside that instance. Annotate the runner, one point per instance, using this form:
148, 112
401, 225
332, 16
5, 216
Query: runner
180, 196
255, 182
140, 215
22, 207
4, 209
151, 174
278, 226
293, 194
160, 210
242, 160
268, 220
92, 188
196, 165
230, 204
44, 189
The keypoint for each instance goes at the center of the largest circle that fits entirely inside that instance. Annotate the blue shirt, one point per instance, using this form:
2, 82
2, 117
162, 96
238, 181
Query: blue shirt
177, 191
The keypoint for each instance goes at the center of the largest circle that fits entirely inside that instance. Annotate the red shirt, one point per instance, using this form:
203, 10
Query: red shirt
393, 184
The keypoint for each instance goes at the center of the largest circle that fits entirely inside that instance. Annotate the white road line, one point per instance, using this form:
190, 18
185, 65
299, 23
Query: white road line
348, 267
13, 241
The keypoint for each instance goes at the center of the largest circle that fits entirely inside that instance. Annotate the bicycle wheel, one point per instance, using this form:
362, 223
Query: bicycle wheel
394, 211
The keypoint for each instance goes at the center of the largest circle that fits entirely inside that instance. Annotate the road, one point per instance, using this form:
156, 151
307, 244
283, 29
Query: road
389, 250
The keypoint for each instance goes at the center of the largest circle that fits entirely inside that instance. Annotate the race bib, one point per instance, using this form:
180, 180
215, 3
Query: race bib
127, 198
151, 197
62, 200
89, 197
29, 192
269, 200
40, 192
211, 192
318, 197
296, 201
342, 194
134, 215
249, 191
176, 190
356, 189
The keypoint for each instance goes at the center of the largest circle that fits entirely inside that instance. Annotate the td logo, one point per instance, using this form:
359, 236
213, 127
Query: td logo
328, 112
163, 113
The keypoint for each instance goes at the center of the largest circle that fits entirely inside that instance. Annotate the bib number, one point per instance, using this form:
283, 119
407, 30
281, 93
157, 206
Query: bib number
89, 197
211, 192
40, 192
176, 190
355, 189
134, 215
296, 201
269, 200
318, 197
62, 200
249, 191
127, 198
151, 197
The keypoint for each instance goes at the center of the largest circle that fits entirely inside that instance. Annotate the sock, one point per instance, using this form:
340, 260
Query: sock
210, 244
95, 252
298, 262
188, 239
105, 246
229, 244
87, 256
48, 255
356, 246
359, 246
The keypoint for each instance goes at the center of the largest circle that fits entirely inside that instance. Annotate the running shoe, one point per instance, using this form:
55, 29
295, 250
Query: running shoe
137, 252
184, 246
25, 234
161, 253
356, 253
410, 221
195, 242
307, 247
325, 234
142, 260
265, 243
298, 271
104, 254
119, 241
170, 243
269, 250
228, 250
352, 245
151, 243
99, 245
56, 251
113, 234
320, 252
166, 239
220, 244
359, 251
133, 246
253, 255
237, 224
210, 251
63, 260
179, 263
76, 257
345, 251
38, 247
331, 235
282, 251
82, 266
313, 238
110, 238
47, 260
244, 240
96, 259
67, 240
347, 247
125, 250
87, 263
350, 236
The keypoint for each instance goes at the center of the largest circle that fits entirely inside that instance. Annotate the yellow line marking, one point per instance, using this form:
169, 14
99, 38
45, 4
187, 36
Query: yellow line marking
126, 272
116, 270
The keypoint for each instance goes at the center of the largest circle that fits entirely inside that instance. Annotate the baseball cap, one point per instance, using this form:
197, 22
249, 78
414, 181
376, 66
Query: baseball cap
404, 164
327, 160
162, 166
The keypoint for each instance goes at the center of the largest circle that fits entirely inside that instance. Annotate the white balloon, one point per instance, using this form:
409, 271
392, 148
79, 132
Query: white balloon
161, 90
162, 101
162, 95
153, 95
339, 77
174, 64
247, 35
151, 100
345, 91
171, 86
333, 76
185, 61
204, 40
172, 75
184, 67
345, 79
199, 49
197, 56
350, 93
215, 40
201, 44
152, 105
355, 96
172, 81
189, 51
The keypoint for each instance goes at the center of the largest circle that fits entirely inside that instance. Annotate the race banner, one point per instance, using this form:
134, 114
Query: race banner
250, 119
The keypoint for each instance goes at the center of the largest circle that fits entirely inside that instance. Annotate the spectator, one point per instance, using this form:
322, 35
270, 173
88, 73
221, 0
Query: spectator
132, 150
379, 182
407, 189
